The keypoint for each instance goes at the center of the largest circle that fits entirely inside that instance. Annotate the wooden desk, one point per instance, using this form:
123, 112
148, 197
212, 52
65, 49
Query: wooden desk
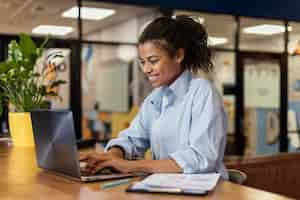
22, 179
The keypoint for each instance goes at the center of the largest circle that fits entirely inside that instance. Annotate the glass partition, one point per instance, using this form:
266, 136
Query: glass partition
112, 84
112, 89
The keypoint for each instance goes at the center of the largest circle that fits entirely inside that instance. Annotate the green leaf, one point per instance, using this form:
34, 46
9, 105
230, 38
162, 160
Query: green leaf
4, 67
27, 46
44, 42
14, 52
39, 51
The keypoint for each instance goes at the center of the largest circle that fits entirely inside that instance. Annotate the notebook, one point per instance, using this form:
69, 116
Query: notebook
193, 184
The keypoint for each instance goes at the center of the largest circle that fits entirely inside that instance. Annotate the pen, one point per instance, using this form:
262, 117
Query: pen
115, 183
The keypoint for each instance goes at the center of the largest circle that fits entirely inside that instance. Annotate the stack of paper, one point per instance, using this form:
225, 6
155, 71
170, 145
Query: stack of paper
185, 183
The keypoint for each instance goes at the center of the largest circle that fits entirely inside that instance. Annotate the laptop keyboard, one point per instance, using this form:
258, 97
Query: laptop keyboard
104, 171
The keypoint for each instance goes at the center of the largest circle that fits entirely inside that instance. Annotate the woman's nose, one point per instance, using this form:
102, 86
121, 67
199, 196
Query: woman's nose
147, 68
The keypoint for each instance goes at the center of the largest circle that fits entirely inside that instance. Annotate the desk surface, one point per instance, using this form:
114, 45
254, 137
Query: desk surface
22, 179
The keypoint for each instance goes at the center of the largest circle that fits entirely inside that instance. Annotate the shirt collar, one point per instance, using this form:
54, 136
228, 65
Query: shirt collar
181, 85
176, 90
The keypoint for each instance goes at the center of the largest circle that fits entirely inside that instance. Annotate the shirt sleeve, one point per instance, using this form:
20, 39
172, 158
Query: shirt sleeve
207, 134
135, 139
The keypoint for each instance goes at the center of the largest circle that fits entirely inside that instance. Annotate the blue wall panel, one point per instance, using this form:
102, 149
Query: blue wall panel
277, 9
296, 107
262, 147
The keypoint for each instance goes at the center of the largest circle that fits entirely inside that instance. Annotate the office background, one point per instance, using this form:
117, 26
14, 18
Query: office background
257, 73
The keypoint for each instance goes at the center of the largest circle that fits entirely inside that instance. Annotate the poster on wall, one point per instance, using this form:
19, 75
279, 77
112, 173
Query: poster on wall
272, 127
294, 78
262, 84
55, 64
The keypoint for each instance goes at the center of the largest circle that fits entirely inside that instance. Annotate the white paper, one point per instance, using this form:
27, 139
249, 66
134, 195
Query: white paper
205, 182
262, 84
292, 121
294, 139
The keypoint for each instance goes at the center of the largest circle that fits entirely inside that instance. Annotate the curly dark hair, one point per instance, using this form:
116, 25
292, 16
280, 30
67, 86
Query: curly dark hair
181, 32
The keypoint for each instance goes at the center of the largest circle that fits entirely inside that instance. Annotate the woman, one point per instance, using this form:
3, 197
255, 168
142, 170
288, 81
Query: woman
182, 120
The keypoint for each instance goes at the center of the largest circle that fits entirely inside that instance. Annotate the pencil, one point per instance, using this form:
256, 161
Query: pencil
115, 183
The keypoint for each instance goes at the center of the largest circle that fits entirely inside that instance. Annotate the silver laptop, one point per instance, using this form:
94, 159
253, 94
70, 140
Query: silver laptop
56, 148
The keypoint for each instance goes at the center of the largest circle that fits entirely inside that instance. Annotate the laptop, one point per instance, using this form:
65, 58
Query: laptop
56, 148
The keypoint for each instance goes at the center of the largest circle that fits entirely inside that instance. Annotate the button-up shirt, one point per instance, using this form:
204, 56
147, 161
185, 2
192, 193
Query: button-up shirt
185, 122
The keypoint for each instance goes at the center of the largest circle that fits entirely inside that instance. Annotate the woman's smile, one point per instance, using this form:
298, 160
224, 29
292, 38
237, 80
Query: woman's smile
153, 77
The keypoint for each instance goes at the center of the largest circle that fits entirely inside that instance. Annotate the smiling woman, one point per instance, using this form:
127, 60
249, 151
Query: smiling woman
182, 120
159, 67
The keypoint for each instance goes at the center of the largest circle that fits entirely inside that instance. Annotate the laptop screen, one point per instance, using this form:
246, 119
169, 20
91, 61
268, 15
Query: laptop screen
55, 141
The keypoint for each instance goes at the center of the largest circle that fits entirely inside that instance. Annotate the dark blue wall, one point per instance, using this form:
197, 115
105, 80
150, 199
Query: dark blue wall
277, 9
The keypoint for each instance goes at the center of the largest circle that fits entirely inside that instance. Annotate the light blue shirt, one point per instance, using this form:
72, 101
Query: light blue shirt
185, 122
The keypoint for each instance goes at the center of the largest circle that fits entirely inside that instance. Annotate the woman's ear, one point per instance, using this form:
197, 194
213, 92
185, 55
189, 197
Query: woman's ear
179, 55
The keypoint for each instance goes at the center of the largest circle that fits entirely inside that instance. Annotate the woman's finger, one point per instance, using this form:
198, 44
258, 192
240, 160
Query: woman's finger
99, 167
94, 161
83, 157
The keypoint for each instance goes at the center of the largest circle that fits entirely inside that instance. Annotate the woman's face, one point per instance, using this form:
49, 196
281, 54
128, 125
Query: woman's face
160, 68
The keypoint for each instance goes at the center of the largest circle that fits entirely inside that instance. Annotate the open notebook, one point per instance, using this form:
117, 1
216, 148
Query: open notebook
197, 184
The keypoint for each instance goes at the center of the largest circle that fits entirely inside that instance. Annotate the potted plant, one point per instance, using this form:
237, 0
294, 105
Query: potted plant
24, 87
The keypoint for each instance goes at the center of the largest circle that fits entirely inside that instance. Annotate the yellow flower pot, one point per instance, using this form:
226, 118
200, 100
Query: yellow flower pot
20, 127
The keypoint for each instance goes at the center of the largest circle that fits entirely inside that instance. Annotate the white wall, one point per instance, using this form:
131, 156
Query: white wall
122, 32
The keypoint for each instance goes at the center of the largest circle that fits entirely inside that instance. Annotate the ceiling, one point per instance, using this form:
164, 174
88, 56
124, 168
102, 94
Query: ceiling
219, 25
23, 15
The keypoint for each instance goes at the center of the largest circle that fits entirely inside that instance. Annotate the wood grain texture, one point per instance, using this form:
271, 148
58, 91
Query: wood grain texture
22, 179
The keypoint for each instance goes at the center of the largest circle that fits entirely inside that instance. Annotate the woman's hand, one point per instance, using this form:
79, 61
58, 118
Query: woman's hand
111, 159
114, 159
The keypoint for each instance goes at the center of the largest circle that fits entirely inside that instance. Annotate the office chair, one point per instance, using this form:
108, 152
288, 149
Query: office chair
237, 176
